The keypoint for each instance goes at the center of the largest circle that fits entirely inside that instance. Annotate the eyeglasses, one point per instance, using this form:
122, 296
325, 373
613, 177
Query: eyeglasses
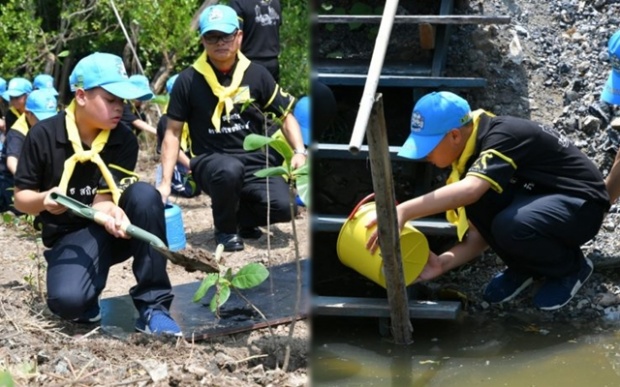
214, 39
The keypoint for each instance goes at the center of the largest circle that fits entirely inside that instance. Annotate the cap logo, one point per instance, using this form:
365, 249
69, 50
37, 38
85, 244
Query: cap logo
51, 104
216, 15
417, 122
465, 119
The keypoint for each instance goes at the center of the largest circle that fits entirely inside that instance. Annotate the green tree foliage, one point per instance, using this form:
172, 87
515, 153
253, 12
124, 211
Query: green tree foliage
51, 35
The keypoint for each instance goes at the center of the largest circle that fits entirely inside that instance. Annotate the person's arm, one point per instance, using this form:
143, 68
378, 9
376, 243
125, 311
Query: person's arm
292, 133
34, 202
460, 194
613, 180
143, 126
11, 164
471, 247
183, 159
169, 155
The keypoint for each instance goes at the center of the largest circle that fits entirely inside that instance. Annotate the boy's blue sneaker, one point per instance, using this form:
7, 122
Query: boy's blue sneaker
157, 322
557, 292
506, 285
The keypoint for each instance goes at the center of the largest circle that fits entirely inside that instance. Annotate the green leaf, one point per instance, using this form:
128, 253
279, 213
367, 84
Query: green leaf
249, 276
63, 53
256, 141
220, 297
283, 148
210, 280
272, 171
5, 379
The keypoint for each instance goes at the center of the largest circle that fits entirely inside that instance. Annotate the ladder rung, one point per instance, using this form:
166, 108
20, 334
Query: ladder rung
416, 19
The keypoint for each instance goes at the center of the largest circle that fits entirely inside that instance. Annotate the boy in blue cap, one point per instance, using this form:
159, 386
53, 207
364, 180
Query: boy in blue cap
86, 153
44, 82
15, 94
40, 104
209, 96
2, 123
516, 186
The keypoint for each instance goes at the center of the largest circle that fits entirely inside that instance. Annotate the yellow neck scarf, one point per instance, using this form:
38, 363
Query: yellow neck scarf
83, 156
227, 96
17, 114
458, 217
21, 125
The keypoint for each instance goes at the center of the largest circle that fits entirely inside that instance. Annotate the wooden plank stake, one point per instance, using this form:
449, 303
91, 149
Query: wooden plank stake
427, 36
389, 238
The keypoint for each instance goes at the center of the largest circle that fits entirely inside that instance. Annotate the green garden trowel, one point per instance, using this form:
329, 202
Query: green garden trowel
203, 262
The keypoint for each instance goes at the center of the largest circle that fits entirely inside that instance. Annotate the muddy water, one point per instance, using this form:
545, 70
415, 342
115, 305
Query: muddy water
504, 351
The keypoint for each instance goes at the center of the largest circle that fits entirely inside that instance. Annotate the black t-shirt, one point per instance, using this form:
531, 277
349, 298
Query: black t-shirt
192, 101
10, 119
41, 164
261, 27
519, 156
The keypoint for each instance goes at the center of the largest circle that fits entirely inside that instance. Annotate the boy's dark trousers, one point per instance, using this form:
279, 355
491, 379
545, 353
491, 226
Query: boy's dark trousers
538, 234
238, 198
79, 262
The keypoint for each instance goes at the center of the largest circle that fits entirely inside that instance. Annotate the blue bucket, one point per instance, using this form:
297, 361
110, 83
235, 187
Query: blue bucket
175, 232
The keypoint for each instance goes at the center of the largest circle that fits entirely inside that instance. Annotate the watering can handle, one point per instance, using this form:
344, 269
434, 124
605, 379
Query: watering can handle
361, 203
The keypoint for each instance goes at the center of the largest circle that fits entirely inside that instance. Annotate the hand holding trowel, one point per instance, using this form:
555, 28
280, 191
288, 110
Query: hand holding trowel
205, 264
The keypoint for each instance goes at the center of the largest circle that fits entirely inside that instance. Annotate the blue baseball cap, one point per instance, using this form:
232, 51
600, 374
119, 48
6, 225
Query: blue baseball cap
611, 90
433, 116
17, 87
302, 114
106, 71
2, 85
42, 103
218, 18
44, 81
170, 83
142, 82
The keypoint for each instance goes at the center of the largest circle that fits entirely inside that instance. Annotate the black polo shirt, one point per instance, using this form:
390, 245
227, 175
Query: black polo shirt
519, 156
261, 27
42, 161
192, 101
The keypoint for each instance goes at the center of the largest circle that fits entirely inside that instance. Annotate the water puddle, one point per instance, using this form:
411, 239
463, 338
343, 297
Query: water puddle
501, 351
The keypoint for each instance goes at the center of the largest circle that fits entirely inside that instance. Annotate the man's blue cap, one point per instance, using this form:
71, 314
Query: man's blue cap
42, 103
44, 81
433, 116
611, 91
106, 71
142, 82
220, 18
302, 114
17, 87
2, 85
170, 83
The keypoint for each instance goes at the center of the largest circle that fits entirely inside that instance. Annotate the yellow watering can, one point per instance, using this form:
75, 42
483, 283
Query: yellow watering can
352, 252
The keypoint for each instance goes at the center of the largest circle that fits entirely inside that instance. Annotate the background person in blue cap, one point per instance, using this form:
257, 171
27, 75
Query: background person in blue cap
86, 153
44, 82
611, 95
516, 186
15, 94
209, 96
2, 109
40, 104
133, 115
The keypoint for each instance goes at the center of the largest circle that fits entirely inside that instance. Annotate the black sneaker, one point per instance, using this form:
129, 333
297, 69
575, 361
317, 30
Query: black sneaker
506, 285
231, 242
557, 292
250, 232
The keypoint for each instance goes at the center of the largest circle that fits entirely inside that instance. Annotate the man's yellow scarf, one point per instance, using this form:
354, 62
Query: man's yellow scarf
458, 217
83, 156
21, 125
227, 95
